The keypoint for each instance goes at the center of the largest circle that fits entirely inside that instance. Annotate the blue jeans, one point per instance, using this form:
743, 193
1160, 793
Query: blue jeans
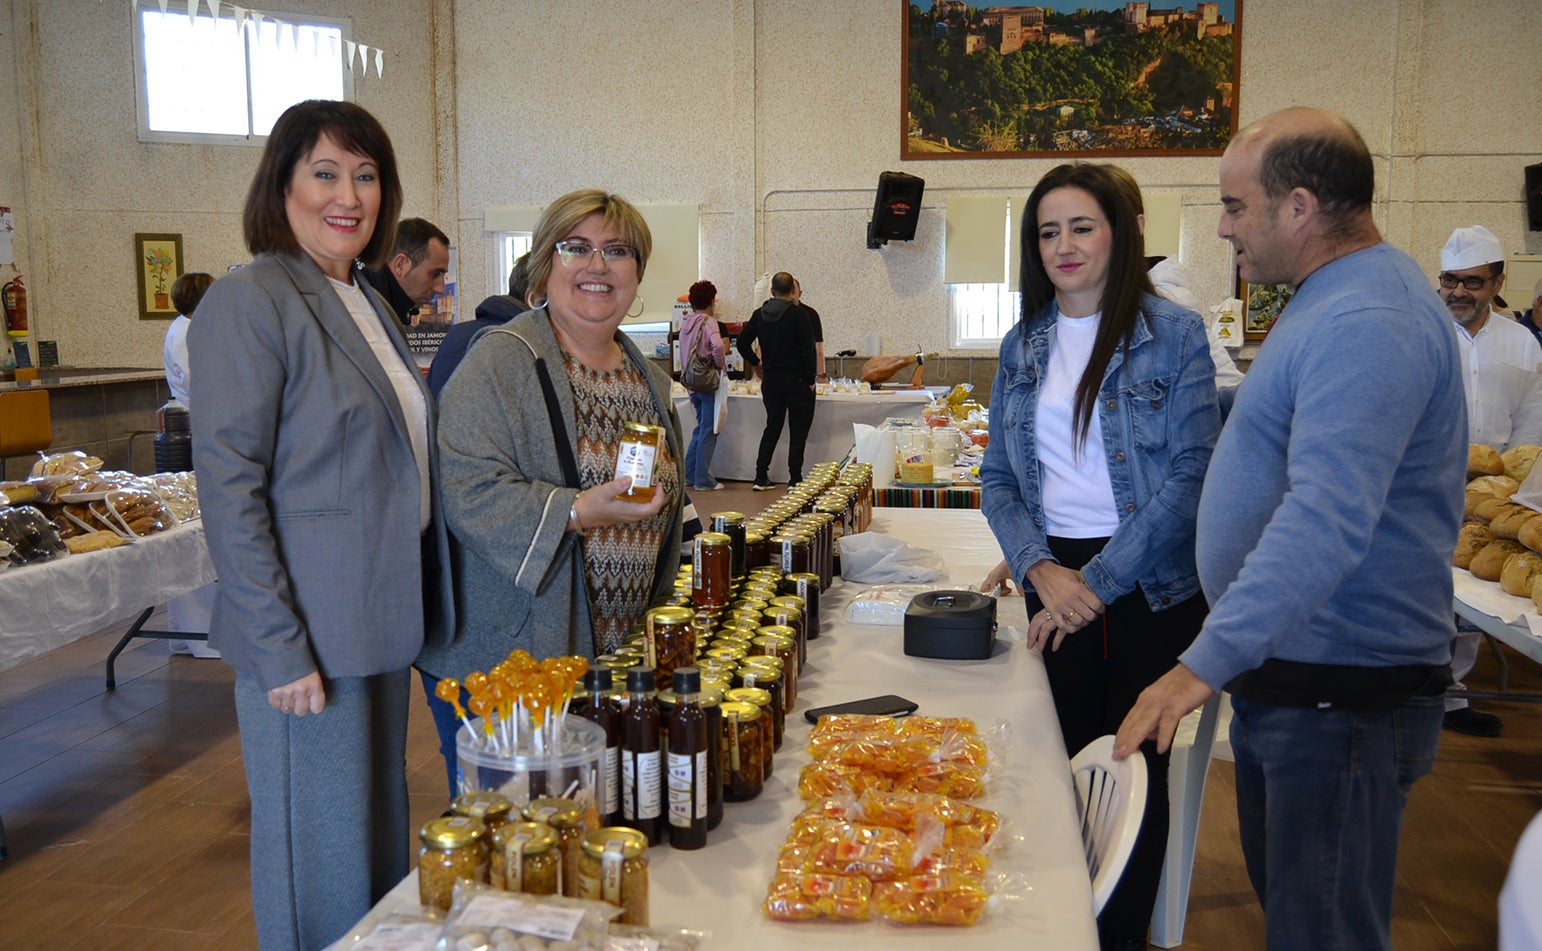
698, 455
446, 724
1320, 796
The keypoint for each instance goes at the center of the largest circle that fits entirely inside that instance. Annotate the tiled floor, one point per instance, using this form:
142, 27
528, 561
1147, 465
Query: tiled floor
127, 819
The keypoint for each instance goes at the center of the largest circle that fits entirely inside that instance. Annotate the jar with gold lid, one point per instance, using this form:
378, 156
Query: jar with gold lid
526, 858
785, 615
769, 740
757, 549
452, 849
638, 457
670, 643
490, 808
566, 818
711, 569
732, 524
805, 585
766, 673
743, 750
781, 642
614, 869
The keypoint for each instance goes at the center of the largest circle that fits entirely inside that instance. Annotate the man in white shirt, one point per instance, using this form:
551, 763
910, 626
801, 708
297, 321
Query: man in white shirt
1501, 361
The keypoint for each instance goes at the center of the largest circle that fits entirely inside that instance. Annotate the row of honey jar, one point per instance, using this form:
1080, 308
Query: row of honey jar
543, 850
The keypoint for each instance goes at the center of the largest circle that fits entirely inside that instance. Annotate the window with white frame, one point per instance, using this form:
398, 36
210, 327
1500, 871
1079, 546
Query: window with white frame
982, 313
510, 245
213, 79
982, 295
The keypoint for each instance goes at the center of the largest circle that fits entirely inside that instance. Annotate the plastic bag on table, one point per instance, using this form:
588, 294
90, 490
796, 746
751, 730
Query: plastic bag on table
883, 604
875, 558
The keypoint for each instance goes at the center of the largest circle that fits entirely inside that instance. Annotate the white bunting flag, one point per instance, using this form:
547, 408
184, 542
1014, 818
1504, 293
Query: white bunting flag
379, 62
163, 7
351, 47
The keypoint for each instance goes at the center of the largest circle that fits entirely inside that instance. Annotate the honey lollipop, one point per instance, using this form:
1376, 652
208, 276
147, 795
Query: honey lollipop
448, 690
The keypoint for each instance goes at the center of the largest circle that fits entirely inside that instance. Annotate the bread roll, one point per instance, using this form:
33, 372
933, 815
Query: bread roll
1518, 459
1530, 535
1472, 539
1519, 572
1483, 460
1489, 563
1536, 593
1494, 486
1508, 524
1490, 509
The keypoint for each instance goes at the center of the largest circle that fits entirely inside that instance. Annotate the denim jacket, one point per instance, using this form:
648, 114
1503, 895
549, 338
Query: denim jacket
1160, 417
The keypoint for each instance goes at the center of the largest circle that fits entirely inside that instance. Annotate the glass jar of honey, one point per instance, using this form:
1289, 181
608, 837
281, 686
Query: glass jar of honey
769, 740
638, 457
525, 858
670, 643
732, 524
489, 808
614, 869
805, 585
712, 569
453, 849
566, 818
743, 751
766, 673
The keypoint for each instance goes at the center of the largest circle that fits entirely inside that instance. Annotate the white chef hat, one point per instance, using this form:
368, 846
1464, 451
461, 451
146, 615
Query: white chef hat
1471, 247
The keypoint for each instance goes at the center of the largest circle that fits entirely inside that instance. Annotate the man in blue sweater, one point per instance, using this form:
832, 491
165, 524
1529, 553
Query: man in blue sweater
1329, 576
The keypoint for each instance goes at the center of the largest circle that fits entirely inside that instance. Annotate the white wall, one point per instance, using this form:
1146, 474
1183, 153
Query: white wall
775, 116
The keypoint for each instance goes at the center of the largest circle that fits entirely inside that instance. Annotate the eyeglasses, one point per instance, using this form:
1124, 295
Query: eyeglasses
1472, 281
576, 253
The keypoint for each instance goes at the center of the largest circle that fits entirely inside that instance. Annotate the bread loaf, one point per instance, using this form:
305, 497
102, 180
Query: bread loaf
1530, 535
1490, 509
1472, 539
1519, 572
1518, 459
1489, 563
1536, 593
1483, 460
1508, 523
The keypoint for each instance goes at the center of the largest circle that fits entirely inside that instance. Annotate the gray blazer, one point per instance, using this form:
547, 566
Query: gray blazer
309, 489
519, 574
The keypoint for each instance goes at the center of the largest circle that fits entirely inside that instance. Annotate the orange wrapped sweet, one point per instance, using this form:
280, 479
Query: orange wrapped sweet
838, 729
947, 899
875, 853
901, 809
805, 897
822, 780
934, 726
964, 837
970, 863
950, 779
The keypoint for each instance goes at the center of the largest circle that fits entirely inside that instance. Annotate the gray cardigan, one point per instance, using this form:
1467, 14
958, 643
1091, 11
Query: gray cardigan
519, 580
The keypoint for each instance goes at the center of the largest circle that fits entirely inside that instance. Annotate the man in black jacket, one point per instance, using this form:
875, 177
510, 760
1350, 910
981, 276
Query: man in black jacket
786, 369
415, 273
492, 312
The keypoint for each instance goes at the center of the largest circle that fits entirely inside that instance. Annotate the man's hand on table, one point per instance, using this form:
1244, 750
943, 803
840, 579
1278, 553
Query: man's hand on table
1158, 709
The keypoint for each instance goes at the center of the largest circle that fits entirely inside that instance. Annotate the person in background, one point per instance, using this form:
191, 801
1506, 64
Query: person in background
549, 559
313, 438
193, 611
1107, 413
1528, 317
186, 292
701, 332
495, 311
416, 269
819, 331
1500, 364
1329, 579
787, 368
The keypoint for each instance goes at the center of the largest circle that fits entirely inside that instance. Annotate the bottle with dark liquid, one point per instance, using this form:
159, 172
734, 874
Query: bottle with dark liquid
642, 790
687, 763
601, 707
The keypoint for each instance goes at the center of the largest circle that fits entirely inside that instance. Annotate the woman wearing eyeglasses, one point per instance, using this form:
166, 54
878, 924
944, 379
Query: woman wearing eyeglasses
549, 559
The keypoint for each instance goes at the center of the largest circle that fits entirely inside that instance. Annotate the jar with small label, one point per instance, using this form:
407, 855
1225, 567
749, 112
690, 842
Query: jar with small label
614, 869
777, 641
743, 751
732, 525
766, 673
805, 585
525, 858
638, 457
712, 569
453, 848
566, 818
757, 549
761, 698
491, 809
786, 615
797, 553
670, 642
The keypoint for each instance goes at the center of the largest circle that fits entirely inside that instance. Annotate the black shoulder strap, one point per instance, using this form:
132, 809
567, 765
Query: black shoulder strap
559, 430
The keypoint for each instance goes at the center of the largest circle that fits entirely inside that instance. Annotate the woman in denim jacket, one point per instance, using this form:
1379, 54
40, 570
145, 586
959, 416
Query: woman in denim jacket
1103, 416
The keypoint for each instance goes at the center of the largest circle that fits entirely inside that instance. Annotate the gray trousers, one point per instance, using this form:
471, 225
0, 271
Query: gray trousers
330, 829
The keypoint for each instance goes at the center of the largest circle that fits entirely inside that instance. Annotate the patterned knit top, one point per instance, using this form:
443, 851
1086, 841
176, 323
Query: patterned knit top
618, 559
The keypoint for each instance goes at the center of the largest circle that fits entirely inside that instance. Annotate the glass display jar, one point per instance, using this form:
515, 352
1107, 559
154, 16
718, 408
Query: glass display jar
525, 858
670, 643
638, 457
566, 818
614, 869
452, 849
711, 569
490, 808
743, 751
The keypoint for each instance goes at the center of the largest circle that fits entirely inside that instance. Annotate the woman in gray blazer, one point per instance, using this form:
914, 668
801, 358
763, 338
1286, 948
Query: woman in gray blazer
547, 558
313, 442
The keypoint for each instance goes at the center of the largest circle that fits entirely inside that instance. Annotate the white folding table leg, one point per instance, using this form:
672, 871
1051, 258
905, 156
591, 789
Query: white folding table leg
1186, 775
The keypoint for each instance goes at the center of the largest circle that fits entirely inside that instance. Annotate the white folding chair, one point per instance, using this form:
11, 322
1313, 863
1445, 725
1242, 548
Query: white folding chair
1187, 770
1111, 796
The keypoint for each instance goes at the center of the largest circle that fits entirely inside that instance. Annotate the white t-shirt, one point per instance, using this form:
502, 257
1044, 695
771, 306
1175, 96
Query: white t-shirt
1078, 491
1504, 389
174, 355
405, 380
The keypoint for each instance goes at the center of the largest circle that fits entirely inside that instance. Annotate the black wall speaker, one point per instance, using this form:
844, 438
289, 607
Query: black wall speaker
896, 209
1534, 196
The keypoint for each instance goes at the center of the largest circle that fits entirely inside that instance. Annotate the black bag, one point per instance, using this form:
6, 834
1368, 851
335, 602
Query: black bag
700, 374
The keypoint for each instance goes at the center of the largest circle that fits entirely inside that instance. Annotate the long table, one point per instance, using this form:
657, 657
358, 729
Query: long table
830, 438
54, 603
1506, 618
719, 888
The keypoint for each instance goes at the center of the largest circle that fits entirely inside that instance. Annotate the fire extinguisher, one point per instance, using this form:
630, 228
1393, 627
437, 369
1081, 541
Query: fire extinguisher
14, 296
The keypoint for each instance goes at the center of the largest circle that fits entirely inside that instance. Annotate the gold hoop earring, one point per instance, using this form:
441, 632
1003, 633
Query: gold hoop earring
640, 308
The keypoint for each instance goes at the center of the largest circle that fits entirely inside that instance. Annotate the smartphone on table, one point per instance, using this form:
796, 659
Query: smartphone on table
888, 705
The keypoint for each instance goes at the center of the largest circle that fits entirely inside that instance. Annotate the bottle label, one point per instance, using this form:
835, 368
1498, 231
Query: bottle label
612, 779
636, 460
687, 788
641, 785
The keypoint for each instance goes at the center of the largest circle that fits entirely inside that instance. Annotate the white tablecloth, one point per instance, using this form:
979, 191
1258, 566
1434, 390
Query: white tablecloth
829, 439
49, 605
1513, 620
720, 888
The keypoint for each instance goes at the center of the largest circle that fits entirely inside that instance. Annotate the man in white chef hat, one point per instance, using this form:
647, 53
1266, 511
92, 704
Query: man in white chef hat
1500, 363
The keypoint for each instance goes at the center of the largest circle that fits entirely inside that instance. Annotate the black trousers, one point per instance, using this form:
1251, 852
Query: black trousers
1095, 677
784, 397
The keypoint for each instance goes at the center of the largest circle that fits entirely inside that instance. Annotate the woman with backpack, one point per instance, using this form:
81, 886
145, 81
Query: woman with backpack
701, 338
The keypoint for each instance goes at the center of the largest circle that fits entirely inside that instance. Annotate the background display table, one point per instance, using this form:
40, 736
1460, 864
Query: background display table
49, 605
829, 439
720, 888
1503, 617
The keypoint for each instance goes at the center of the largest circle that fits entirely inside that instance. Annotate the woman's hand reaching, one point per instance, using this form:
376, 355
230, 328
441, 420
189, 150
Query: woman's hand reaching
598, 505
